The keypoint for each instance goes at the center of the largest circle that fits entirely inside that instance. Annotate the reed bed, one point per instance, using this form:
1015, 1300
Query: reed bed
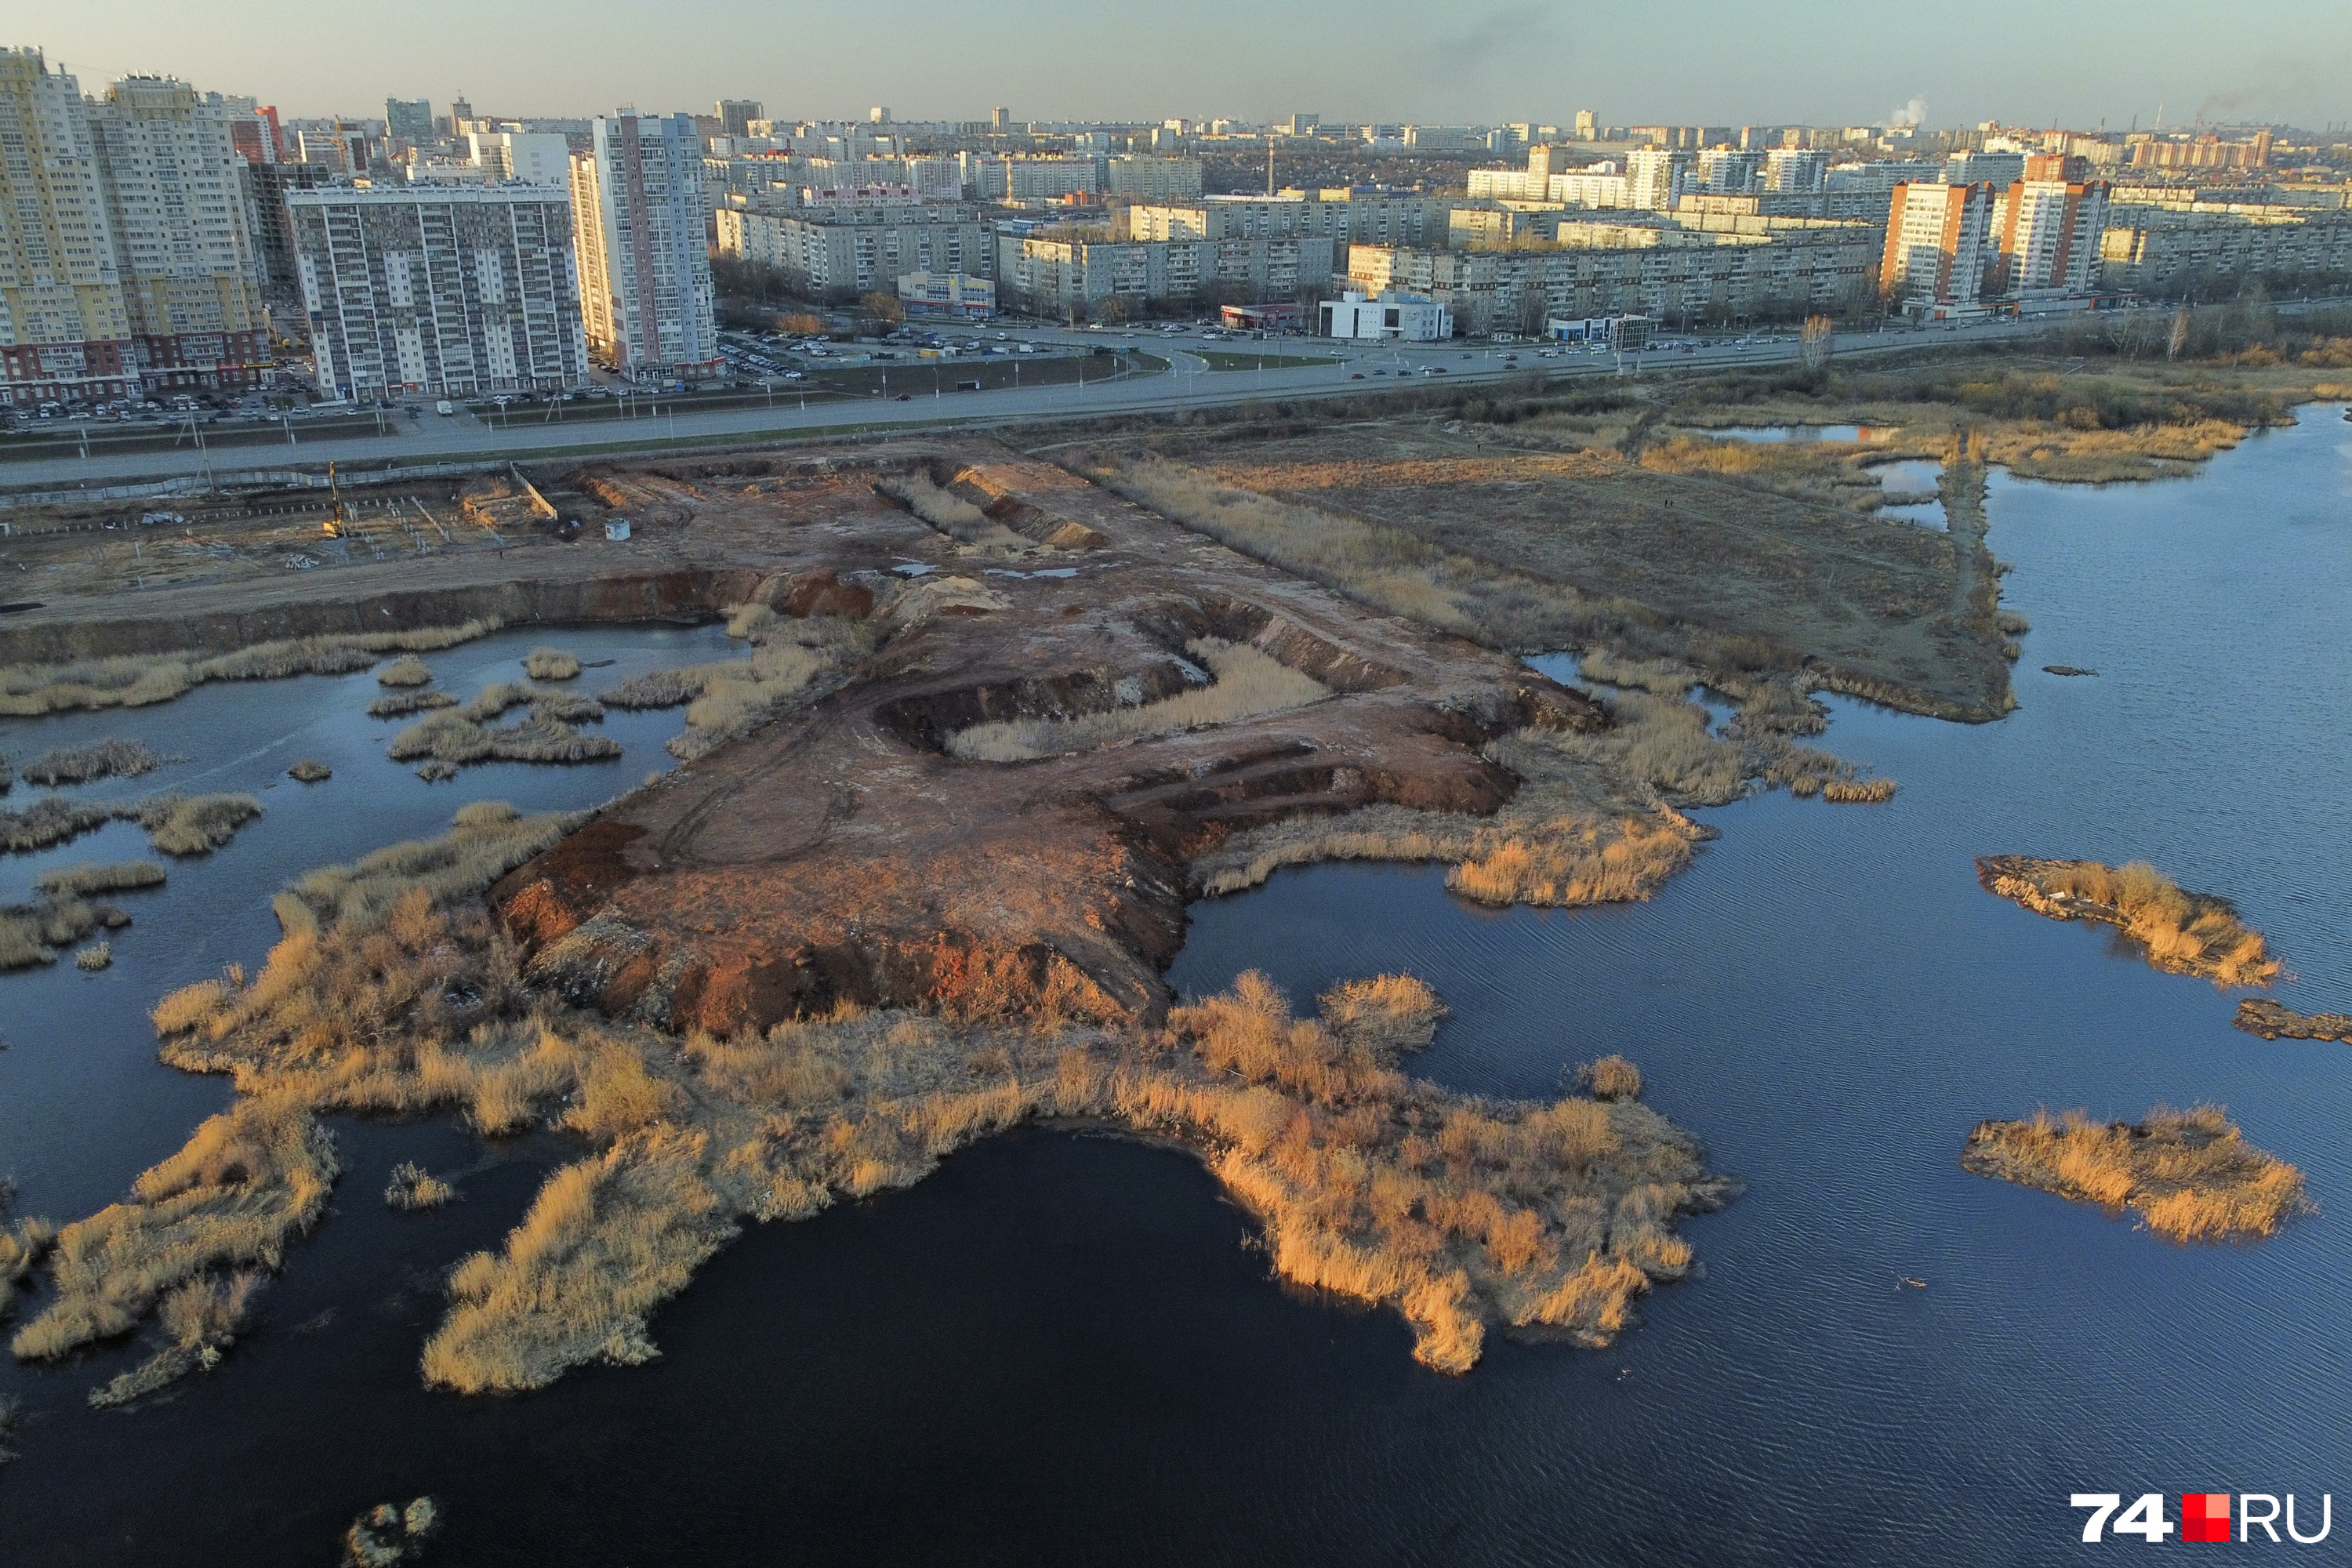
2190, 1173
91, 876
400, 704
1248, 685
31, 934
551, 664
195, 825
142, 680
309, 771
415, 1187
2188, 933
406, 670
97, 956
84, 764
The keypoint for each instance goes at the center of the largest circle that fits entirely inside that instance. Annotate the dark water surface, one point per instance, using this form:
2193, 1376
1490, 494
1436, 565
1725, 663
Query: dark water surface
1061, 1349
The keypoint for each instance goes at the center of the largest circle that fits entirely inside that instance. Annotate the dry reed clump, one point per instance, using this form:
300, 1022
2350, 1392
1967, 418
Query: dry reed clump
792, 661
91, 876
544, 735
951, 513
309, 771
251, 1177
52, 819
95, 957
607, 1241
415, 1187
406, 670
550, 664
1248, 683
1458, 1212
2188, 933
106, 760
31, 933
388, 1534
200, 1319
2190, 1173
22, 1244
195, 825
1612, 1077
400, 704
659, 689
138, 680
487, 840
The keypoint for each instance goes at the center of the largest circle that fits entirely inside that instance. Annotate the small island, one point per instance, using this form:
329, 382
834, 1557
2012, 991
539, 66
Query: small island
2189, 1173
2187, 933
2271, 1021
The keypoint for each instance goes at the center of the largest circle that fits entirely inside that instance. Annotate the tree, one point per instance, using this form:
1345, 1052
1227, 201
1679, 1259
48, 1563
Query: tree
1814, 343
884, 307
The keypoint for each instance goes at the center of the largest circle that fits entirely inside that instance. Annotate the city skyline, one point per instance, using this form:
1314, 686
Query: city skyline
1378, 59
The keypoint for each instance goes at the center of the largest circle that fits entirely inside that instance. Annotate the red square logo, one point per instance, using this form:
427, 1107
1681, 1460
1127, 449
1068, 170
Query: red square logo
2204, 1516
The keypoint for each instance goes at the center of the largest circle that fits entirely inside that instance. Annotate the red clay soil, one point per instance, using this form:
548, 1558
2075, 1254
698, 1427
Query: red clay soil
841, 854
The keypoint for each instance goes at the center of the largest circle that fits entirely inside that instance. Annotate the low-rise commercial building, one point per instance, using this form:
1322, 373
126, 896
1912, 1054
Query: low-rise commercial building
959, 296
1406, 318
839, 251
439, 292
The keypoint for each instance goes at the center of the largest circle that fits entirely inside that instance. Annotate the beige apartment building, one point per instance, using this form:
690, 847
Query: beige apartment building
189, 262
1077, 278
65, 331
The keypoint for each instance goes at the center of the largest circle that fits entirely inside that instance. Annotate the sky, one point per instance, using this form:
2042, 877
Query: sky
2038, 62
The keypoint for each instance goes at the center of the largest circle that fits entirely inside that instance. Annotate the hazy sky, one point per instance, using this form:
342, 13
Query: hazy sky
1760, 61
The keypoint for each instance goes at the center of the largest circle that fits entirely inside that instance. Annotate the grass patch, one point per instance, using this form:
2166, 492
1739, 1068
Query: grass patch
106, 760
195, 825
2189, 1173
400, 704
406, 670
309, 771
2187, 933
95, 957
91, 876
139, 680
415, 1187
31, 933
1248, 683
487, 840
550, 664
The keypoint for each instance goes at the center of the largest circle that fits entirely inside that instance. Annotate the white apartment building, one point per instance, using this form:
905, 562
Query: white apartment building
1591, 188
1149, 179
1654, 177
639, 225
1407, 318
1938, 244
65, 331
1727, 172
842, 250
532, 157
440, 292
1795, 171
1074, 277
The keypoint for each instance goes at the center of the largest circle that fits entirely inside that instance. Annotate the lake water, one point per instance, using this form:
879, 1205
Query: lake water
1062, 1349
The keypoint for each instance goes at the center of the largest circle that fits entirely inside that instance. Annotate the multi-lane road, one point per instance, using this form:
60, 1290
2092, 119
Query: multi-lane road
1189, 380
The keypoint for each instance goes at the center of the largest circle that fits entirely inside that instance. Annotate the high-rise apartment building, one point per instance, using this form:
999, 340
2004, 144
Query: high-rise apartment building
645, 268
1586, 127
190, 267
445, 290
1795, 171
65, 331
1728, 171
408, 120
736, 114
1000, 119
1938, 244
1654, 177
2051, 225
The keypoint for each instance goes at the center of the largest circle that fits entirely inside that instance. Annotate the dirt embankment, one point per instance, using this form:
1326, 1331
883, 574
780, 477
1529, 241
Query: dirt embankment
844, 854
